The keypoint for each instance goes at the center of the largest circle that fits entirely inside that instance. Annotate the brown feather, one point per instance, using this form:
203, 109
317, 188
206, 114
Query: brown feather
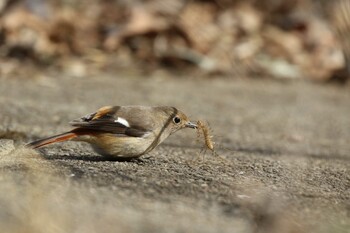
53, 139
104, 120
102, 112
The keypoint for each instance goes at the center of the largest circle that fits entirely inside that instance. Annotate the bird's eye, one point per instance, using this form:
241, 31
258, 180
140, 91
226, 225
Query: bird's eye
176, 120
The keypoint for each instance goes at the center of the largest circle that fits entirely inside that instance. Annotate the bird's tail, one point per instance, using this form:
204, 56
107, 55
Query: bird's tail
53, 139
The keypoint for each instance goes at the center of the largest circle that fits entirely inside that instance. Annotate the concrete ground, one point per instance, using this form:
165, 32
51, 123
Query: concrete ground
284, 162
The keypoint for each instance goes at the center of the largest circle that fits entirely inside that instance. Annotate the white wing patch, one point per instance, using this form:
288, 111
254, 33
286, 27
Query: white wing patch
122, 121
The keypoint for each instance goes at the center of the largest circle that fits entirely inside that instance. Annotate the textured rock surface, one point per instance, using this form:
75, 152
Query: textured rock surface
285, 166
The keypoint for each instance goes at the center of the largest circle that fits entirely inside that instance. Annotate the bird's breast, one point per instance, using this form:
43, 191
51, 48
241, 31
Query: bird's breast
121, 146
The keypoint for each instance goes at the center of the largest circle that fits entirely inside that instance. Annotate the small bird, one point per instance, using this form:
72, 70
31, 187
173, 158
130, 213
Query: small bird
123, 131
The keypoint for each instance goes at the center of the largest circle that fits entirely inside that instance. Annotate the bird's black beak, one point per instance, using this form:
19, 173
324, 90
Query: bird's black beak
191, 125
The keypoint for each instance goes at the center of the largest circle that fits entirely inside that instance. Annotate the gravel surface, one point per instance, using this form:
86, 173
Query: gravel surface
283, 164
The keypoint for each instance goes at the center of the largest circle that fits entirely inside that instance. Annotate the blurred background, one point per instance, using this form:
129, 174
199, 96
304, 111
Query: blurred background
294, 39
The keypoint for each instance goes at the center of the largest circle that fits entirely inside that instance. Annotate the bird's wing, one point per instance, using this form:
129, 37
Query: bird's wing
106, 120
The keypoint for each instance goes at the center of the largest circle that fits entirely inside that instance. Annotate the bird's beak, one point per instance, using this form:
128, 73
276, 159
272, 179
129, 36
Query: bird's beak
191, 125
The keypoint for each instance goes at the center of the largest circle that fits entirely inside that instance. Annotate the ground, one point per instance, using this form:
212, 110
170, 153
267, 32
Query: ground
283, 164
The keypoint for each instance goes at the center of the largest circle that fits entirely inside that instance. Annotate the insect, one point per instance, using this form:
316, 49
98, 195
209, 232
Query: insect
204, 129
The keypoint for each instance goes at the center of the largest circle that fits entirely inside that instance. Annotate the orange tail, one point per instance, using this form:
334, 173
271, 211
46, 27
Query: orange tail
53, 139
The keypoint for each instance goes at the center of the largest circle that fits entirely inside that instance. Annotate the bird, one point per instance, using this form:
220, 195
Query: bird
123, 131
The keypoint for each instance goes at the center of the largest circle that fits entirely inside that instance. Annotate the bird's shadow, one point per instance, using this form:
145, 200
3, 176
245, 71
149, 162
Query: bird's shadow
89, 158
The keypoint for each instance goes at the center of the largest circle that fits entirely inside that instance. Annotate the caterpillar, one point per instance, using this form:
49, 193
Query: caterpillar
204, 129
